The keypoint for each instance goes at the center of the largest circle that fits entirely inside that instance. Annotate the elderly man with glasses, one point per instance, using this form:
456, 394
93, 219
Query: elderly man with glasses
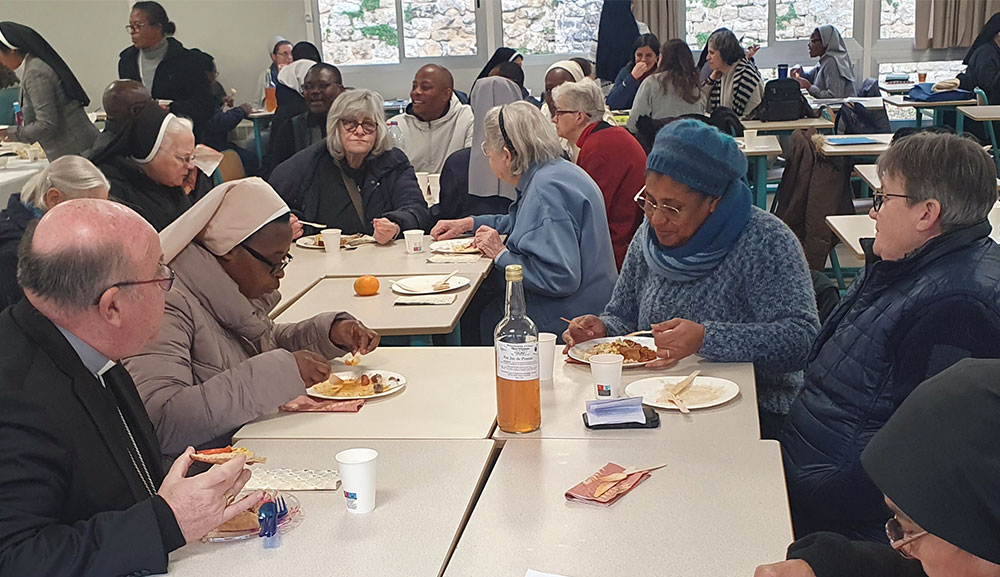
82, 489
928, 297
218, 361
937, 461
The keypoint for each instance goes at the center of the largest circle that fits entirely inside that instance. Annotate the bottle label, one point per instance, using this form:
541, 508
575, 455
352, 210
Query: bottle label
517, 361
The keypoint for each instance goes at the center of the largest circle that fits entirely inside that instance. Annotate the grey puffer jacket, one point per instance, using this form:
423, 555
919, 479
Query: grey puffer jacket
218, 361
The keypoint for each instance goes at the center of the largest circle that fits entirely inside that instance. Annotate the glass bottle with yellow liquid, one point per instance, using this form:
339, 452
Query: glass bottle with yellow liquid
519, 406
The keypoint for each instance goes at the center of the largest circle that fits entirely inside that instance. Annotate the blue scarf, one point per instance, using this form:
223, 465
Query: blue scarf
710, 244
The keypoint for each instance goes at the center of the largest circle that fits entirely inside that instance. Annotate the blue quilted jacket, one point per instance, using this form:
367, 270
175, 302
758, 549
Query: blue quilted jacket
899, 324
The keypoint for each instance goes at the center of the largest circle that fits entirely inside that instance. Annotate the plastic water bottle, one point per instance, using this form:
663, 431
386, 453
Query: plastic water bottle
398, 140
18, 115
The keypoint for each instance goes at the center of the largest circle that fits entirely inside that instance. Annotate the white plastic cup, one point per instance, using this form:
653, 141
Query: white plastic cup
3, 162
414, 241
434, 183
606, 370
357, 479
546, 355
422, 181
331, 240
750, 138
32, 154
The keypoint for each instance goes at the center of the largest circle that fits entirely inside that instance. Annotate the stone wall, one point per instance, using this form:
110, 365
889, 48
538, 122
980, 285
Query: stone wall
897, 18
550, 26
359, 31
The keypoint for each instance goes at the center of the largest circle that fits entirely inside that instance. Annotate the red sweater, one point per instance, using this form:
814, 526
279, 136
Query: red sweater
617, 163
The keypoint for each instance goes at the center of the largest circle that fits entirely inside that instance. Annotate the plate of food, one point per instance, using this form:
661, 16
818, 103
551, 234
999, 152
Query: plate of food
226, 454
246, 526
637, 350
348, 385
703, 393
428, 284
313, 241
455, 246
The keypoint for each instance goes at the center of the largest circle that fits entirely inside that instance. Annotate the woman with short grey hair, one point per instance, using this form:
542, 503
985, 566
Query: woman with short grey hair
608, 153
357, 180
68, 177
557, 229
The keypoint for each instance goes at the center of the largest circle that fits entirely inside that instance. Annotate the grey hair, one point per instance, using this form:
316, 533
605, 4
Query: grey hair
72, 278
585, 96
357, 104
948, 168
74, 176
176, 126
531, 133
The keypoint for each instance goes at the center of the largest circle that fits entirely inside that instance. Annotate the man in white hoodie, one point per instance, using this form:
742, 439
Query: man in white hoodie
435, 124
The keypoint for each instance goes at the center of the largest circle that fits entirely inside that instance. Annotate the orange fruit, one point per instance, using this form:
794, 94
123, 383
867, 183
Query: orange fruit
366, 286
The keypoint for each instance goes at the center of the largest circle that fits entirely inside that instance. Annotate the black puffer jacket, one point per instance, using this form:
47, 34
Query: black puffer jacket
312, 185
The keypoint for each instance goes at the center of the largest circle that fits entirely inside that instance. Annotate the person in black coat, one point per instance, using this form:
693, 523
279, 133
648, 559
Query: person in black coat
320, 88
927, 298
937, 463
68, 177
355, 180
171, 71
82, 489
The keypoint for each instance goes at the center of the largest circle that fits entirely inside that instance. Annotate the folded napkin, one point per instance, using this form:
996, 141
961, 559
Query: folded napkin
425, 300
946, 85
604, 484
358, 239
306, 404
293, 480
207, 159
454, 258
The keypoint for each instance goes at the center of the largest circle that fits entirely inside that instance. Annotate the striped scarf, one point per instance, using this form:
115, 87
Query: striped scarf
744, 77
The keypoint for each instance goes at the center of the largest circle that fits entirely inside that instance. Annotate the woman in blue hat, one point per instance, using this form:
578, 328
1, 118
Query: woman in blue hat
710, 273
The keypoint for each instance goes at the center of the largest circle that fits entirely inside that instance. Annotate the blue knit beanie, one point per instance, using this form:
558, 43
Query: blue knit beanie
698, 155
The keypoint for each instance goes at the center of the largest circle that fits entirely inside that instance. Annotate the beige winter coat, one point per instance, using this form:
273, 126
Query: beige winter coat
218, 361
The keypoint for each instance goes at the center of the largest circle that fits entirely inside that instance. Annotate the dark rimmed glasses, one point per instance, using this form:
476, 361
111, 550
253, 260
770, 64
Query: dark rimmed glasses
878, 199
350, 125
276, 267
164, 279
898, 537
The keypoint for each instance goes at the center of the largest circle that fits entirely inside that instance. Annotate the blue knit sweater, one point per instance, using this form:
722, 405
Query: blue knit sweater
757, 306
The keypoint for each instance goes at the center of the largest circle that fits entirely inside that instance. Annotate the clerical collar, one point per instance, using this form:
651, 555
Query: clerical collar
95, 362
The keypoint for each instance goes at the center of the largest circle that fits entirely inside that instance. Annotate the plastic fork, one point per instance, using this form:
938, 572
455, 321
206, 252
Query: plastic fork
267, 516
282, 508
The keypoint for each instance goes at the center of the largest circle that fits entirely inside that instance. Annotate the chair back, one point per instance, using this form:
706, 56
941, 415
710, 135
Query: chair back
231, 167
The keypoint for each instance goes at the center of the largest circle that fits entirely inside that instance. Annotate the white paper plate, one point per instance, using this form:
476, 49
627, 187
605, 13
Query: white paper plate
425, 284
577, 352
705, 392
309, 242
356, 374
453, 246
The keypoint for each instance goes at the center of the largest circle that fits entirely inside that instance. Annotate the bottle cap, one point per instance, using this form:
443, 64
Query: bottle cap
514, 272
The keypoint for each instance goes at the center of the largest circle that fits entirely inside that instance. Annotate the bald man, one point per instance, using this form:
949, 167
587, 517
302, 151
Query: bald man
122, 101
435, 124
82, 490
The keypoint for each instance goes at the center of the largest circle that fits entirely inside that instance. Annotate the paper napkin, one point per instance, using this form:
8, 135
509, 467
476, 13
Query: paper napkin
454, 258
614, 411
605, 485
306, 404
425, 300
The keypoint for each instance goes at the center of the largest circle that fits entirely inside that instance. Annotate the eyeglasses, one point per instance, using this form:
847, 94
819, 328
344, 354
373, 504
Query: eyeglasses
276, 267
189, 159
650, 207
898, 538
878, 199
559, 112
164, 279
350, 125
135, 27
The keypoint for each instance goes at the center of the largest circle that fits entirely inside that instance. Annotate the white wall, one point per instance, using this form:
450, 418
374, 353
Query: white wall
89, 34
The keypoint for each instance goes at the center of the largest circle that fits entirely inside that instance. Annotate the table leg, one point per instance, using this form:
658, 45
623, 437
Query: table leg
959, 121
256, 139
938, 116
920, 117
760, 182
454, 338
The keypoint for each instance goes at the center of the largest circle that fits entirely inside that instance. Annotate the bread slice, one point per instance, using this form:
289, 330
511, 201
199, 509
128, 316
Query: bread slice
245, 521
224, 456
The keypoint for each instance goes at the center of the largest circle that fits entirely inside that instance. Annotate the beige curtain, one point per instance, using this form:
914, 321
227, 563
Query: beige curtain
664, 17
951, 23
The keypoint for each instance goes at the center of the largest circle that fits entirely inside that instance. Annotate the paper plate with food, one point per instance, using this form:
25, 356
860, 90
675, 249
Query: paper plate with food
313, 241
246, 526
702, 393
637, 350
455, 246
226, 454
349, 385
429, 284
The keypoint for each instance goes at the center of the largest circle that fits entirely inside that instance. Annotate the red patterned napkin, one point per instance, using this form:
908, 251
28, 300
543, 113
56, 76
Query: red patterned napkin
305, 404
606, 484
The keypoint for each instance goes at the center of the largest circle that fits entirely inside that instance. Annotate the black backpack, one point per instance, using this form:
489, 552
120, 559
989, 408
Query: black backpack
783, 100
854, 118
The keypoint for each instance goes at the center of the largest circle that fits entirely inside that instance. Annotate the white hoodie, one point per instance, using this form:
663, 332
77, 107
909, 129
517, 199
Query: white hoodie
428, 144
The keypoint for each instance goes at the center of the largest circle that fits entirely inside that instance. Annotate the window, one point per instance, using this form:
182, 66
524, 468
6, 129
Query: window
796, 19
897, 19
550, 26
368, 32
746, 18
